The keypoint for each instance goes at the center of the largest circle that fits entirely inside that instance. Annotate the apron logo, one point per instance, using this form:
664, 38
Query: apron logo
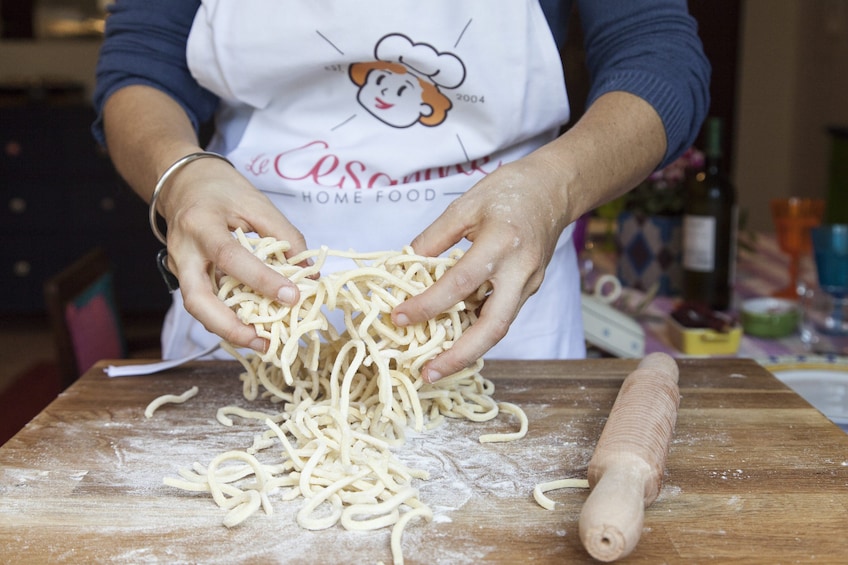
403, 86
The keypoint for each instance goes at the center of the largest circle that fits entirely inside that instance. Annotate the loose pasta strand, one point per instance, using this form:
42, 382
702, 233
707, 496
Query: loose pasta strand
169, 399
541, 488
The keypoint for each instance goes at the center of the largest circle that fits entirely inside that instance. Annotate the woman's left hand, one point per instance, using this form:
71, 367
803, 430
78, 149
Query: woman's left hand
515, 216
513, 219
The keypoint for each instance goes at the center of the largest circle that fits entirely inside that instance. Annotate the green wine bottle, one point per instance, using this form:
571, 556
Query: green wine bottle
709, 229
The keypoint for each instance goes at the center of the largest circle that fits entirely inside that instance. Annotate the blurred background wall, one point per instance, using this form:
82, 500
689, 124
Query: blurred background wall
793, 84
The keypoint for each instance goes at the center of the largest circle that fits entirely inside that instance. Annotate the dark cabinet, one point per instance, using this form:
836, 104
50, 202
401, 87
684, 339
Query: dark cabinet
60, 197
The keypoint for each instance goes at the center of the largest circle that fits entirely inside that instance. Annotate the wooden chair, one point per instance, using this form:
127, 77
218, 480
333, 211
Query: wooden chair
84, 317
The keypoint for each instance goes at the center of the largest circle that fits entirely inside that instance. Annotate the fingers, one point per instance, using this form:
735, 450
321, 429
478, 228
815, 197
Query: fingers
232, 258
458, 282
201, 237
228, 256
464, 278
445, 231
495, 318
276, 225
512, 242
202, 303
511, 287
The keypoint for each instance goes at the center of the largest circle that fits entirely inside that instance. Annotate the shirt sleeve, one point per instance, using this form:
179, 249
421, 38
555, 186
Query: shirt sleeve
145, 43
650, 48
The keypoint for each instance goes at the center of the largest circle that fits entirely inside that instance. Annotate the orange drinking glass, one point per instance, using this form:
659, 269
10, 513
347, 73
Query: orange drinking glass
793, 218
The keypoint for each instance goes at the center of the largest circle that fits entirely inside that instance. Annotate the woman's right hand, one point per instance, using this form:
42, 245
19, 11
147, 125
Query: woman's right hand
203, 203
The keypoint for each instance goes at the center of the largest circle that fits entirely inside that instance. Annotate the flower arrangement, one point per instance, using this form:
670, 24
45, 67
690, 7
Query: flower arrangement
661, 194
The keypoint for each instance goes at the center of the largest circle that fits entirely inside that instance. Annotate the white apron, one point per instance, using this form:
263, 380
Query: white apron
362, 121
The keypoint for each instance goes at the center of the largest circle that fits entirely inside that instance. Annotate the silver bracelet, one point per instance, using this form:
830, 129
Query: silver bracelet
170, 171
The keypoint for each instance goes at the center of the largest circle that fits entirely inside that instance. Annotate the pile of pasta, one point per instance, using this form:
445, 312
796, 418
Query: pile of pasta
346, 397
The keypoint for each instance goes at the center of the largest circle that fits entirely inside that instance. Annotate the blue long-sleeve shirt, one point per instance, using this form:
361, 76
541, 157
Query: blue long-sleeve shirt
649, 48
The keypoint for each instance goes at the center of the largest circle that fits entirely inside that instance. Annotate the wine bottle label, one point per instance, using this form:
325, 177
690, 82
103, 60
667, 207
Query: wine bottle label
699, 236
734, 245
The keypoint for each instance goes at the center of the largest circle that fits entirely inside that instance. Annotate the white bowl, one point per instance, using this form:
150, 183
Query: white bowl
821, 381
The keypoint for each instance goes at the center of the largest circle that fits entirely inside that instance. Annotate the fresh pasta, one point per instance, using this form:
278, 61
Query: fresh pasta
169, 399
224, 413
542, 488
347, 396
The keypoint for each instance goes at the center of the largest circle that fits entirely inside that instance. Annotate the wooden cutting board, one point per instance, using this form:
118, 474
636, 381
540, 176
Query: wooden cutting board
755, 475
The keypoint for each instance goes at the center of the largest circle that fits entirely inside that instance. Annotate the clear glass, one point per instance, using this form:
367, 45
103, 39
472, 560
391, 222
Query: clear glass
830, 248
824, 323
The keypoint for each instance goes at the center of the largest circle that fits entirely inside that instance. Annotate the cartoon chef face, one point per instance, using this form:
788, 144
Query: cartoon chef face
402, 87
393, 96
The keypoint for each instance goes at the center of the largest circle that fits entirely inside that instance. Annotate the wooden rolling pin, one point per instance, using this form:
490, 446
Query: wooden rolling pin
626, 469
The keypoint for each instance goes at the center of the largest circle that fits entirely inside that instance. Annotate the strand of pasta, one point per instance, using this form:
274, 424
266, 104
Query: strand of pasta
347, 398
225, 412
397, 530
541, 488
169, 399
509, 408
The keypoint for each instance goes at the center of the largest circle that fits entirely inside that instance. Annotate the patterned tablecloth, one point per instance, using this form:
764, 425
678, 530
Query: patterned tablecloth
761, 270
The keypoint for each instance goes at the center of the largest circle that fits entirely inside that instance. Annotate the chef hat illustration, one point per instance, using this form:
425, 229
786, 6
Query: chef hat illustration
442, 69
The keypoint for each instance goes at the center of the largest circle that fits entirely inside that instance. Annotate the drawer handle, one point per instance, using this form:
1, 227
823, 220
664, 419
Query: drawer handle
17, 205
12, 149
22, 268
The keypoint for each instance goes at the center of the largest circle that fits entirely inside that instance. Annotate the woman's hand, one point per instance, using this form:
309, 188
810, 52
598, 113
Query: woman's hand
203, 203
513, 218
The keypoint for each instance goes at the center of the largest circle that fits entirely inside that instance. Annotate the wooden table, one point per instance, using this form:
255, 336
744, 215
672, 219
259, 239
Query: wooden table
755, 475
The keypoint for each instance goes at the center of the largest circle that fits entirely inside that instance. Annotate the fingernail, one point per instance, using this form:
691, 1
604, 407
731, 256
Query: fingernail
286, 295
401, 320
432, 376
258, 344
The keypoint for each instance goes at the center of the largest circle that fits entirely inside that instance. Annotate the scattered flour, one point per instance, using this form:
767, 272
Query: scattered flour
129, 456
